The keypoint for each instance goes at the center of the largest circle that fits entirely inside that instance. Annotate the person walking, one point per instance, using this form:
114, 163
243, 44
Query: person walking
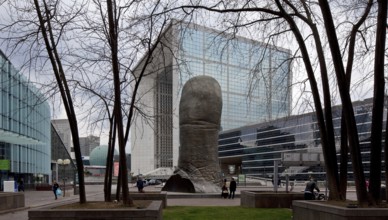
21, 185
224, 189
232, 188
140, 184
55, 188
309, 190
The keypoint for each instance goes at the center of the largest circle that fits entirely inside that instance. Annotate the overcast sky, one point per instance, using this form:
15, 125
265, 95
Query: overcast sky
359, 91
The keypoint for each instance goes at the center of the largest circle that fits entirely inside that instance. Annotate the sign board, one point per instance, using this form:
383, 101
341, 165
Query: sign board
116, 168
9, 186
5, 165
241, 178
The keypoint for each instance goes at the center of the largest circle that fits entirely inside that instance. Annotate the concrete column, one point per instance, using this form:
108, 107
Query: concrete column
275, 175
56, 172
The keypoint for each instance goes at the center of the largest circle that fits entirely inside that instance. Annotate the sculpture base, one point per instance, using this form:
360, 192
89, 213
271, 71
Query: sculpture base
178, 184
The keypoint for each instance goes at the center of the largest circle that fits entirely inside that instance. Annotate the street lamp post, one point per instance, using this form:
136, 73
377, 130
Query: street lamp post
40, 177
63, 163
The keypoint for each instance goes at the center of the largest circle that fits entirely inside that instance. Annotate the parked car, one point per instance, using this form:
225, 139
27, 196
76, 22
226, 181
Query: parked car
154, 182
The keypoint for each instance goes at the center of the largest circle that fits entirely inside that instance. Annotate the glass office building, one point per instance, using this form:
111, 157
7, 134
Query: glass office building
292, 141
255, 80
24, 128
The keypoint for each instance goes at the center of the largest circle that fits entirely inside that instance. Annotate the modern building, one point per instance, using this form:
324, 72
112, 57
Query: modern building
88, 144
293, 142
255, 81
62, 126
25, 138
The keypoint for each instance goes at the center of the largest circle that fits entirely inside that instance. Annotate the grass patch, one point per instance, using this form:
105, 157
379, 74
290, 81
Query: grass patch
224, 213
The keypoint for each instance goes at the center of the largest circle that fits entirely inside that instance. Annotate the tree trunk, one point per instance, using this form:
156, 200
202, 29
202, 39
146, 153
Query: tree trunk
386, 156
343, 158
332, 173
109, 162
346, 104
117, 91
118, 188
50, 45
348, 76
329, 149
378, 105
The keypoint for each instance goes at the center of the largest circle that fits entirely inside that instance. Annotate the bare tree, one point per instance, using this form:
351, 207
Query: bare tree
113, 20
378, 106
45, 16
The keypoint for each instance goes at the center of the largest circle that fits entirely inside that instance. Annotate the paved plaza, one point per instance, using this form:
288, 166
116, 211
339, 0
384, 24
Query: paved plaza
39, 199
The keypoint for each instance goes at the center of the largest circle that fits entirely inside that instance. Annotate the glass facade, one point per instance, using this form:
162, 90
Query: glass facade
255, 148
255, 78
24, 127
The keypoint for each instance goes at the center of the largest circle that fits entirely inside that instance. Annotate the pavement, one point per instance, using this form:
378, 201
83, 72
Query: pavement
40, 199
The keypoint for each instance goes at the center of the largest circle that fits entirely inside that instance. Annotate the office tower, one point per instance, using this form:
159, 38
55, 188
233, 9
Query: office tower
255, 81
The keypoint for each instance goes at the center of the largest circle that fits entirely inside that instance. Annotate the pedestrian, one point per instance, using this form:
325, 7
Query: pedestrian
309, 190
292, 184
367, 184
140, 184
232, 188
224, 188
21, 185
279, 181
55, 188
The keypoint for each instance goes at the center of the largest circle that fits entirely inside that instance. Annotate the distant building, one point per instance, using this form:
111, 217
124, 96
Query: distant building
25, 138
95, 164
62, 126
255, 80
88, 143
59, 151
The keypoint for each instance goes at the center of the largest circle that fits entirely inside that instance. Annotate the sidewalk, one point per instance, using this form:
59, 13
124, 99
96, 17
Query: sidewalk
37, 199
